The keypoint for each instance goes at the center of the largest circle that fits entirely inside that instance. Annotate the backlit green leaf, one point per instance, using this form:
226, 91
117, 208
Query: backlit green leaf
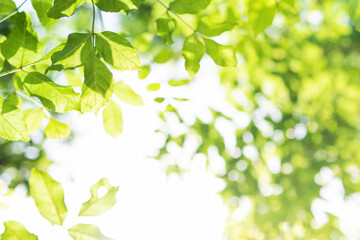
176, 83
165, 28
126, 94
222, 55
98, 86
112, 119
96, 206
41, 7
153, 87
64, 8
211, 29
117, 51
76, 51
193, 50
261, 14
33, 119
55, 97
118, 5
48, 196
86, 232
189, 6
7, 7
57, 130
144, 72
22, 46
2, 58
12, 124
16, 231
74, 78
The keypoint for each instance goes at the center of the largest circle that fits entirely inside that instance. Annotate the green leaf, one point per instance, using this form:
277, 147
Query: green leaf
118, 5
153, 87
22, 46
98, 86
193, 50
41, 7
189, 6
354, 13
96, 206
76, 51
144, 72
261, 13
57, 130
165, 28
7, 7
86, 232
159, 100
55, 97
117, 51
176, 83
48, 196
2, 58
164, 55
112, 119
64, 8
222, 55
12, 124
126, 94
209, 27
16, 231
14, 100
74, 78
33, 119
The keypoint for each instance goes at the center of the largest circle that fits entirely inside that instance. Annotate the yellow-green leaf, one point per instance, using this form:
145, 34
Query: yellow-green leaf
189, 6
193, 50
86, 232
261, 13
16, 231
7, 7
112, 119
222, 55
176, 83
64, 8
33, 119
56, 129
153, 87
48, 196
126, 94
41, 7
165, 27
96, 206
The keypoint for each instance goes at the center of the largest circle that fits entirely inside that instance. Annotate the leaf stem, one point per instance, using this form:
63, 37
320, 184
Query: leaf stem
21, 94
17, 69
14, 12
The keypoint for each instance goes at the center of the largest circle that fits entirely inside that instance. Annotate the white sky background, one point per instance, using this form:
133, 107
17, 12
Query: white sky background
151, 206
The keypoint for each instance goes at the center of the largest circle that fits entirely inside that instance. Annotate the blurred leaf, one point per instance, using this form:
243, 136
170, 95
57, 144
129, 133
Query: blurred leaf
56, 129
144, 72
118, 5
261, 14
15, 230
188, 6
41, 7
126, 94
64, 8
210, 28
48, 196
193, 50
96, 206
165, 28
112, 119
164, 55
86, 232
33, 119
222, 55
176, 83
7, 7
153, 87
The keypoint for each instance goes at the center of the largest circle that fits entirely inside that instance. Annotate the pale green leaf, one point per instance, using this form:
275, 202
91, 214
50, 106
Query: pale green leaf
41, 7
222, 55
86, 232
144, 72
48, 196
126, 94
118, 5
12, 123
193, 50
57, 130
55, 97
165, 28
98, 85
153, 87
112, 119
189, 6
176, 83
74, 78
16, 231
33, 119
96, 206
261, 14
64, 8
7, 7
117, 51
76, 51
209, 27
22, 46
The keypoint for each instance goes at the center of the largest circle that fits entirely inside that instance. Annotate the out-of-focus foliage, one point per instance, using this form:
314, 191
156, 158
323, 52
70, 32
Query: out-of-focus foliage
290, 72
